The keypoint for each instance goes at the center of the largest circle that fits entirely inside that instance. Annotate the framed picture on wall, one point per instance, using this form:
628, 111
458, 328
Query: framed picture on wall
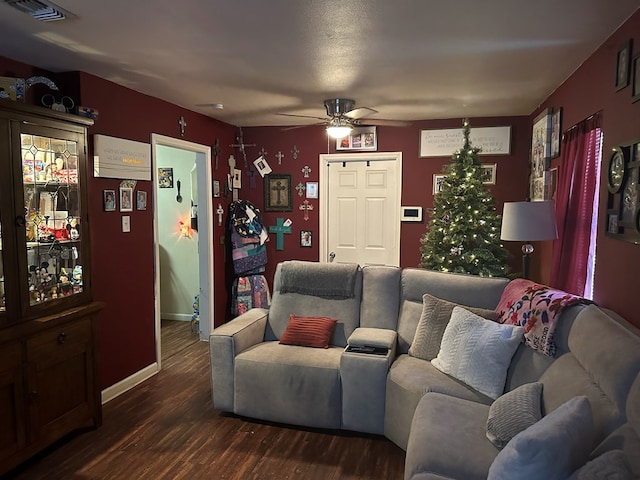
438, 178
277, 193
541, 143
126, 199
306, 238
361, 138
165, 177
489, 173
141, 200
623, 65
556, 132
635, 89
109, 200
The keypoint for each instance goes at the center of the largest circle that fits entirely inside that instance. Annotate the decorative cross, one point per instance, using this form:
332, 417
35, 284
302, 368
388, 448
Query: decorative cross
220, 212
252, 175
216, 152
306, 170
182, 124
295, 151
263, 153
306, 206
300, 188
279, 156
279, 229
278, 188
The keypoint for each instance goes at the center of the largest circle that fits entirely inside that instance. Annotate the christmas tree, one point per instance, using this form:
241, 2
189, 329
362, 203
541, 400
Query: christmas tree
463, 234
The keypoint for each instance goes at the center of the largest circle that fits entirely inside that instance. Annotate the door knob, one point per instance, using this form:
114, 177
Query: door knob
332, 255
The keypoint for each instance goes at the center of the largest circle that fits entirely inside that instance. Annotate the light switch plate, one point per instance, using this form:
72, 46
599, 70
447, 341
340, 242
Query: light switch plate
126, 223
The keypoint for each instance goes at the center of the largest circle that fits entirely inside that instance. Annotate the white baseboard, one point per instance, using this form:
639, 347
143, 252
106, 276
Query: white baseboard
183, 317
128, 383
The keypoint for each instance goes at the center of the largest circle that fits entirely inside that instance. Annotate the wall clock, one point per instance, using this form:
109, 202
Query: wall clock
616, 171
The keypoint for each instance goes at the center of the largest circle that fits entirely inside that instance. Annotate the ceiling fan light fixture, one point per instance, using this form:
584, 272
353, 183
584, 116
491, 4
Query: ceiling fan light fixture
338, 131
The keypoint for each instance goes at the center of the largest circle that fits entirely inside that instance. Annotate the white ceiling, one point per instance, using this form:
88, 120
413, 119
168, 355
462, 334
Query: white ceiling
408, 59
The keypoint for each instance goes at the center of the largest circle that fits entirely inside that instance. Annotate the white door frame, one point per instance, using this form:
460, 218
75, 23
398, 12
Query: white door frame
328, 158
205, 235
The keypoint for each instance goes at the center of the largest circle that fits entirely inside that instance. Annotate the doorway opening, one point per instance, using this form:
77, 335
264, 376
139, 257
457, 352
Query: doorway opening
183, 241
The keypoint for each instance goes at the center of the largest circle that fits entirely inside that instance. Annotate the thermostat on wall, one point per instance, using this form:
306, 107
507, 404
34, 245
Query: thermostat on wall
411, 214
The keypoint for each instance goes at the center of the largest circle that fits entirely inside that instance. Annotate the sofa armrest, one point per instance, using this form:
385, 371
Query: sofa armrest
373, 337
225, 343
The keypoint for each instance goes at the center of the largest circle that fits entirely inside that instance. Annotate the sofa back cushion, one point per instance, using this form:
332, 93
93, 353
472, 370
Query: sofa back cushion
345, 310
603, 362
380, 297
471, 290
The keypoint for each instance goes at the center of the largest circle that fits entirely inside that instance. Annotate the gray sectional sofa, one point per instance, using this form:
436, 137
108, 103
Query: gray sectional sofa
439, 421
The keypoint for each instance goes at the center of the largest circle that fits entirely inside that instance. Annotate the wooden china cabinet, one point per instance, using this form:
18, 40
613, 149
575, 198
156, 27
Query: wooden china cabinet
48, 348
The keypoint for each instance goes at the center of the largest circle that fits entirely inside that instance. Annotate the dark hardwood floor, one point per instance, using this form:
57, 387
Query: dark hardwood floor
175, 336
166, 428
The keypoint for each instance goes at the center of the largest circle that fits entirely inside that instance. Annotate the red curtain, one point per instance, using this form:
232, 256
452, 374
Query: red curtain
576, 191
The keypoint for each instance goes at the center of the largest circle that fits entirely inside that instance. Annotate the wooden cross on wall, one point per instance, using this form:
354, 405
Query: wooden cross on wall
306, 170
182, 122
300, 188
279, 229
216, 152
306, 206
279, 156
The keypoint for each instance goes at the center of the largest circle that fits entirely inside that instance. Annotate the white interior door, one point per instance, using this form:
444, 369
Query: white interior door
360, 208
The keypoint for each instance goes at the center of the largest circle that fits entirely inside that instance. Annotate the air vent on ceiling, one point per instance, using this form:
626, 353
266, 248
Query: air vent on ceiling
41, 11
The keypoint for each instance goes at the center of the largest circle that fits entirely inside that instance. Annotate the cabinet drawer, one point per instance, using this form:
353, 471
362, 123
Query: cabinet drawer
58, 342
10, 356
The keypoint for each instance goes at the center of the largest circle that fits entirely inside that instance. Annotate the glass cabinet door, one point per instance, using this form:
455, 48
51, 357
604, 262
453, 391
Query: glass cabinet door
52, 212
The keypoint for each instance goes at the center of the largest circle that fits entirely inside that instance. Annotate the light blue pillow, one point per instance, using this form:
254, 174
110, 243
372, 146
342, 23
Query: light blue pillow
550, 449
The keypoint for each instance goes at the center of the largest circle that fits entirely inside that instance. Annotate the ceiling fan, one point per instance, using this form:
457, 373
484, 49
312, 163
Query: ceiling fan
342, 116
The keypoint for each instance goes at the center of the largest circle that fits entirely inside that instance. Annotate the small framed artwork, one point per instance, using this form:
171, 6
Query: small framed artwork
277, 193
312, 189
438, 179
551, 184
635, 69
165, 177
216, 188
109, 200
306, 238
141, 200
262, 166
361, 138
126, 199
623, 64
489, 173
541, 143
612, 224
556, 132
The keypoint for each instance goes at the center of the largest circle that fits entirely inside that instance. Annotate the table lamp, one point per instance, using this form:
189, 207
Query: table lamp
528, 222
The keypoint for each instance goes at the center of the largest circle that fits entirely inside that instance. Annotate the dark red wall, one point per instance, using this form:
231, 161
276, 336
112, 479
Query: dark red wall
417, 178
591, 89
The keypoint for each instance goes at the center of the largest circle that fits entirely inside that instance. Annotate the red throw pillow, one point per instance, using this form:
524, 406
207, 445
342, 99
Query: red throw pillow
308, 331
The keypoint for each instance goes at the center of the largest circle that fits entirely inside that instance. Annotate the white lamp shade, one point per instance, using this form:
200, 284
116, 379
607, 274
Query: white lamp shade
339, 131
528, 221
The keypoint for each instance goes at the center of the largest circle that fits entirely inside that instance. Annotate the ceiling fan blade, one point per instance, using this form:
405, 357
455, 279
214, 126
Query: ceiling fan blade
294, 127
379, 122
360, 112
301, 116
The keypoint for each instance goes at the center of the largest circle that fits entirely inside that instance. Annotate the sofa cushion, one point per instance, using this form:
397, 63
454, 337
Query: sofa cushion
448, 439
611, 465
552, 448
408, 380
477, 351
289, 384
308, 331
436, 313
483, 292
514, 412
346, 311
